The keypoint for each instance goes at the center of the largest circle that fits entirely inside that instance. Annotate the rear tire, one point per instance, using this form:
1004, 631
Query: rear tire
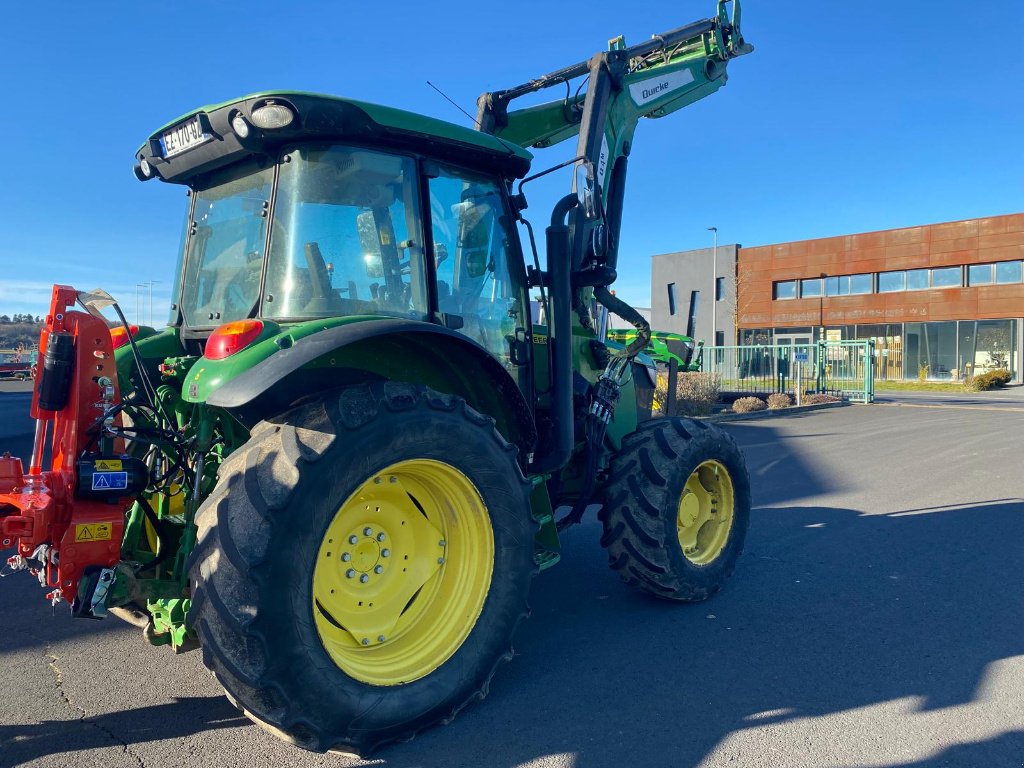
267, 561
676, 509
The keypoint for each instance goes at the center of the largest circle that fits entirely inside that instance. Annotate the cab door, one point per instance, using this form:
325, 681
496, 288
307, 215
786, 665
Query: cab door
480, 277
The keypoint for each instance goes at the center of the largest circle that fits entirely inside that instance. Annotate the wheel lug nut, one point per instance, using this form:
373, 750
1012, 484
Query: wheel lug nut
442, 543
376, 481
392, 479
367, 531
385, 553
366, 641
440, 561
352, 539
345, 557
350, 574
380, 638
380, 537
364, 578
379, 569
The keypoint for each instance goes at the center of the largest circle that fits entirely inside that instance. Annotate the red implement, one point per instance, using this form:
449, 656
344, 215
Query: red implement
55, 533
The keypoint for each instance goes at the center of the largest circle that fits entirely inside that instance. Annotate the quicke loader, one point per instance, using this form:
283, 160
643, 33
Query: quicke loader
340, 465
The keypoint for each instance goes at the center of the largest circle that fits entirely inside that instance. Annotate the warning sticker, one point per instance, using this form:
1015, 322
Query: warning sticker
93, 532
109, 481
108, 465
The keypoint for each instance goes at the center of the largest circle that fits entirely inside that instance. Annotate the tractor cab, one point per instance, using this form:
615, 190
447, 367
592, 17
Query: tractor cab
307, 207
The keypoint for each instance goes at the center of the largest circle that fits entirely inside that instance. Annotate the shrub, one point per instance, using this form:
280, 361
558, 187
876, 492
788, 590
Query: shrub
779, 400
696, 393
983, 382
749, 404
819, 398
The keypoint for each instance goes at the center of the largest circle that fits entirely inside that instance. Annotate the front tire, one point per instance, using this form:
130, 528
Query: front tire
676, 510
362, 565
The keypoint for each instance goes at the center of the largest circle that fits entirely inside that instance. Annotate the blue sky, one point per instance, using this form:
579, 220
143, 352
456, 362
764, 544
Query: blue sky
847, 117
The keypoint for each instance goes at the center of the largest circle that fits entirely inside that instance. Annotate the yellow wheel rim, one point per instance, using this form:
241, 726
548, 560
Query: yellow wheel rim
706, 511
402, 572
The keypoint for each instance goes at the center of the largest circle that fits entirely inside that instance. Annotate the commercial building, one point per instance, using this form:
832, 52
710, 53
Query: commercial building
940, 301
696, 288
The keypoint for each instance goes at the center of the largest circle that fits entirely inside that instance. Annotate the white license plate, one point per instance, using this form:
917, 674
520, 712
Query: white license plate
182, 137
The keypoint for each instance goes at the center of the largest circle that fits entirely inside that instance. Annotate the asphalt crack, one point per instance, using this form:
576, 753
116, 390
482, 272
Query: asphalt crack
83, 715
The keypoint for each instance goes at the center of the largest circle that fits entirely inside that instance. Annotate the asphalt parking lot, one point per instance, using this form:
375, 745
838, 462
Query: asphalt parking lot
876, 618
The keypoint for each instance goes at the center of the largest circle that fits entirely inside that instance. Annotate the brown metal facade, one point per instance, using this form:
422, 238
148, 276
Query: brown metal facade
974, 241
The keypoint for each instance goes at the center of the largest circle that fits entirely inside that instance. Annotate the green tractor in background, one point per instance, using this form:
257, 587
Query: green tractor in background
665, 348
341, 464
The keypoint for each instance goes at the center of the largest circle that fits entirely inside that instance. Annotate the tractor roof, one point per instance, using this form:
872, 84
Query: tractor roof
207, 138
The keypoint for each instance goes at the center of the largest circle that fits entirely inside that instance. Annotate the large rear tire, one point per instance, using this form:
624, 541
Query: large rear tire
362, 565
676, 510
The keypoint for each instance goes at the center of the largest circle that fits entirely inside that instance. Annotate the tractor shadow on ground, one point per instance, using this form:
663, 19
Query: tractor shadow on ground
830, 610
26, 745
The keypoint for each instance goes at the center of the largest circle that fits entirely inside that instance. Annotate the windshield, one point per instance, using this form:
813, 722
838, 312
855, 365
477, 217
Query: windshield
346, 238
225, 252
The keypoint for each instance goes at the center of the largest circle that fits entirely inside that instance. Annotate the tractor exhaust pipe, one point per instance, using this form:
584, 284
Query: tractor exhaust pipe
559, 338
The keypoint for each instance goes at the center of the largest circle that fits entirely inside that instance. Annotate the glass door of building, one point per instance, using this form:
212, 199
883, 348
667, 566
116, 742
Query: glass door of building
789, 340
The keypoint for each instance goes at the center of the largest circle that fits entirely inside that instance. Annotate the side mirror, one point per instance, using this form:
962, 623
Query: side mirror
373, 259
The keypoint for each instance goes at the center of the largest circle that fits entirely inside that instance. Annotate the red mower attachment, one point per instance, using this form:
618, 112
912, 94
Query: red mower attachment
61, 529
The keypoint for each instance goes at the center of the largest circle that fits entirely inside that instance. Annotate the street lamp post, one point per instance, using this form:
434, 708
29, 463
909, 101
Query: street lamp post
138, 293
821, 308
714, 286
151, 284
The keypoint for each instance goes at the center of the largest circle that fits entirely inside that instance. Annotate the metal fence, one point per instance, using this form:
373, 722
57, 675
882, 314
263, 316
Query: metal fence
841, 368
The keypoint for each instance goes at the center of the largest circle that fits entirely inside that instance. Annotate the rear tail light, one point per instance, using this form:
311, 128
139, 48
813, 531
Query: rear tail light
120, 336
232, 337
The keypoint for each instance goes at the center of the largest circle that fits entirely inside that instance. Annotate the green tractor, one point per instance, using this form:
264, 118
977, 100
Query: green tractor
665, 348
338, 468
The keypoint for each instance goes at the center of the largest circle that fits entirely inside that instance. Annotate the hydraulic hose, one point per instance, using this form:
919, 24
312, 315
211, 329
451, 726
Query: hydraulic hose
614, 304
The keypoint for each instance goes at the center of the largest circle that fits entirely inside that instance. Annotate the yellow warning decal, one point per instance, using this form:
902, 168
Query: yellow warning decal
108, 465
93, 532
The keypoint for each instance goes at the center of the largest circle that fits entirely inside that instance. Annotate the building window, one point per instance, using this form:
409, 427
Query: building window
671, 298
785, 289
719, 288
847, 285
890, 282
719, 338
947, 277
860, 284
691, 327
1008, 272
980, 274
930, 350
917, 279
986, 345
810, 289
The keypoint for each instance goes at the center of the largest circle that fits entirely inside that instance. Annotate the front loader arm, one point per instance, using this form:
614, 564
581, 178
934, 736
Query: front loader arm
651, 79
703, 47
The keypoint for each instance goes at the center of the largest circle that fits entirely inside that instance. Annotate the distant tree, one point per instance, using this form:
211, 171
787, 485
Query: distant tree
5, 319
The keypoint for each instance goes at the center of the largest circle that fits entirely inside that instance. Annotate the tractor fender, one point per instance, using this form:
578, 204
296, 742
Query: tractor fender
391, 348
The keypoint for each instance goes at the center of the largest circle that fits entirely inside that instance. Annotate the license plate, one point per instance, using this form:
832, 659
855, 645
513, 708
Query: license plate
183, 137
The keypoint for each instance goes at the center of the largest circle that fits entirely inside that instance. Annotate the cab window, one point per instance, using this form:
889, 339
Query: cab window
471, 231
346, 237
